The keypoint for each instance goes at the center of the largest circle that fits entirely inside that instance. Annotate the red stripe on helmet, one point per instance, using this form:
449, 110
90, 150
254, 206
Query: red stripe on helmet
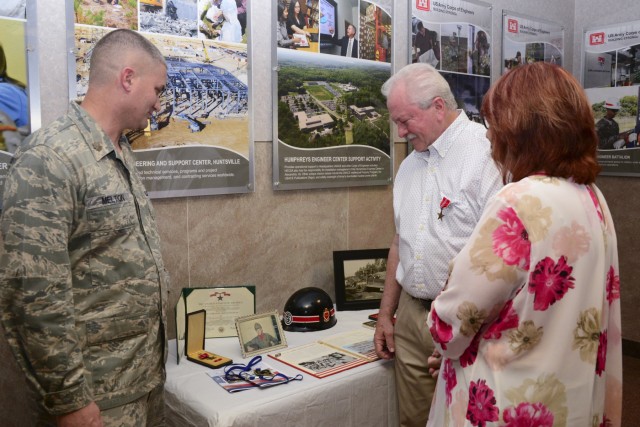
309, 319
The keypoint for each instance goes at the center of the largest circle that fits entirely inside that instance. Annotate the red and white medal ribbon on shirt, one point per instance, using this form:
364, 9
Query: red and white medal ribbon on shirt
443, 204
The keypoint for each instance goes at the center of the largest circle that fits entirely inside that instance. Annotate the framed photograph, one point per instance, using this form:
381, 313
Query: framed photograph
359, 277
260, 333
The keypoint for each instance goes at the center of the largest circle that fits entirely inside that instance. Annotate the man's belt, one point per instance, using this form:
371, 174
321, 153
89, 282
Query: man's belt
426, 303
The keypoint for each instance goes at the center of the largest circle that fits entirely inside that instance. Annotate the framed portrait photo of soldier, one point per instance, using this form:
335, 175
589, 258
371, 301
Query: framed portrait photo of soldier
260, 333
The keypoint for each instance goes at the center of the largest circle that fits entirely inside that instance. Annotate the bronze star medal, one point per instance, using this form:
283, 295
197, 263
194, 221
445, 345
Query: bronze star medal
443, 204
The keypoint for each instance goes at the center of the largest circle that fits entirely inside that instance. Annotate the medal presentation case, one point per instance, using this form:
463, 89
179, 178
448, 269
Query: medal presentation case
194, 342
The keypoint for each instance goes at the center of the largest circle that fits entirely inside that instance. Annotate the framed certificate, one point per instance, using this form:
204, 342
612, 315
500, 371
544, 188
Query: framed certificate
222, 305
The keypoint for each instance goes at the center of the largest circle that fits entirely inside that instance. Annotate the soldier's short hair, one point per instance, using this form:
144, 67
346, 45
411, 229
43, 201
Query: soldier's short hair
112, 50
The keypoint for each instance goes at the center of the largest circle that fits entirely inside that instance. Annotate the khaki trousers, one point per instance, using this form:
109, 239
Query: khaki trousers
413, 342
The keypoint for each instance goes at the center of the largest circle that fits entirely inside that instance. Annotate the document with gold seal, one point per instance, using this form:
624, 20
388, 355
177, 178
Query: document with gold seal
222, 304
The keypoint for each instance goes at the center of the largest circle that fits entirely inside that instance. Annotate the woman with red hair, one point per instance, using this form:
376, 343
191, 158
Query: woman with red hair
528, 325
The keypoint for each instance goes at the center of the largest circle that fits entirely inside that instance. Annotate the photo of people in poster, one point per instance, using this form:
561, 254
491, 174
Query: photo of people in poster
455, 38
15, 123
611, 79
222, 20
356, 29
198, 143
527, 40
375, 32
332, 122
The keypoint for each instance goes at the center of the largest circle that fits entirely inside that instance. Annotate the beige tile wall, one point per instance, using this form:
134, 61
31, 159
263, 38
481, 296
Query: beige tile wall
279, 241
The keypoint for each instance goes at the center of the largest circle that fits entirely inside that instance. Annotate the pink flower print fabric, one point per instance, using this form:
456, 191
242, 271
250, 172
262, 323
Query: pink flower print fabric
511, 240
440, 331
602, 354
529, 322
482, 404
550, 281
449, 376
507, 319
596, 203
613, 285
528, 414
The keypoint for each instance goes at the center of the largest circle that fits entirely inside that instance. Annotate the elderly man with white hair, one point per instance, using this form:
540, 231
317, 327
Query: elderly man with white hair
438, 196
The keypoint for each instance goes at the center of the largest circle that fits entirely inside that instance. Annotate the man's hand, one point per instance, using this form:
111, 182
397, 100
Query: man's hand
383, 338
89, 416
434, 362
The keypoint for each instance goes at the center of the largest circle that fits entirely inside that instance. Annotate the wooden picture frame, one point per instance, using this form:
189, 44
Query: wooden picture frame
260, 333
359, 278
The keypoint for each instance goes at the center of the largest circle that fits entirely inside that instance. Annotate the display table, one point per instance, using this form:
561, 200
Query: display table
362, 396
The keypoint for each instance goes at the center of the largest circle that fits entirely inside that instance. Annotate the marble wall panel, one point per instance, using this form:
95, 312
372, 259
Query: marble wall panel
278, 241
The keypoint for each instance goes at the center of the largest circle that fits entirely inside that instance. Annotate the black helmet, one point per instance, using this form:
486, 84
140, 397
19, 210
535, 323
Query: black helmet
308, 309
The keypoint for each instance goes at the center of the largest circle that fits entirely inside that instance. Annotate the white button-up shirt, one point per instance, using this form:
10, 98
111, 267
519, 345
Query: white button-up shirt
457, 167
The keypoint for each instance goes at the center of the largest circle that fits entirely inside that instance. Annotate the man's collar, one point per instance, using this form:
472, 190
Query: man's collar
450, 134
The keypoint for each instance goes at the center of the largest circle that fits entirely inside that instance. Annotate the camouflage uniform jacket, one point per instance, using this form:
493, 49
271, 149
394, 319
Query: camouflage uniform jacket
83, 285
608, 131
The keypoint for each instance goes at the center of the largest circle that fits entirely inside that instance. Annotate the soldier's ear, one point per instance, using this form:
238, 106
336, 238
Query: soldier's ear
126, 78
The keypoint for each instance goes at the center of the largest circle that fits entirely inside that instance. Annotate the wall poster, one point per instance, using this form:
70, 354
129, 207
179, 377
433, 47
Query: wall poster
199, 143
331, 124
611, 78
455, 37
526, 40
19, 88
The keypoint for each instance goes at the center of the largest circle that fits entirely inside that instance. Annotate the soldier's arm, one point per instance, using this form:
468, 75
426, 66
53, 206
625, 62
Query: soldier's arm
89, 416
36, 295
604, 142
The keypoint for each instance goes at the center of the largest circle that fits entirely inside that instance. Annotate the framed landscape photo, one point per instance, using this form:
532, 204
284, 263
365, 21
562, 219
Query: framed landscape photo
359, 278
260, 333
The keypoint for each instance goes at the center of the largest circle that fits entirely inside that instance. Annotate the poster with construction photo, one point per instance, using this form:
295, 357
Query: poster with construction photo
198, 143
175, 17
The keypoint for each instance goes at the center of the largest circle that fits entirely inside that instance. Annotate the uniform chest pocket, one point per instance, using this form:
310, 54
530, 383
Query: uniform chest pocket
108, 214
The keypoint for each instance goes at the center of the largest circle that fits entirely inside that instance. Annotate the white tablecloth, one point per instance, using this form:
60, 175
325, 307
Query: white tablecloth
362, 396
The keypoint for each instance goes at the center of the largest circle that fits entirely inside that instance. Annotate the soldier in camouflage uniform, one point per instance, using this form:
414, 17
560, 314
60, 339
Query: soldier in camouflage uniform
607, 128
83, 285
